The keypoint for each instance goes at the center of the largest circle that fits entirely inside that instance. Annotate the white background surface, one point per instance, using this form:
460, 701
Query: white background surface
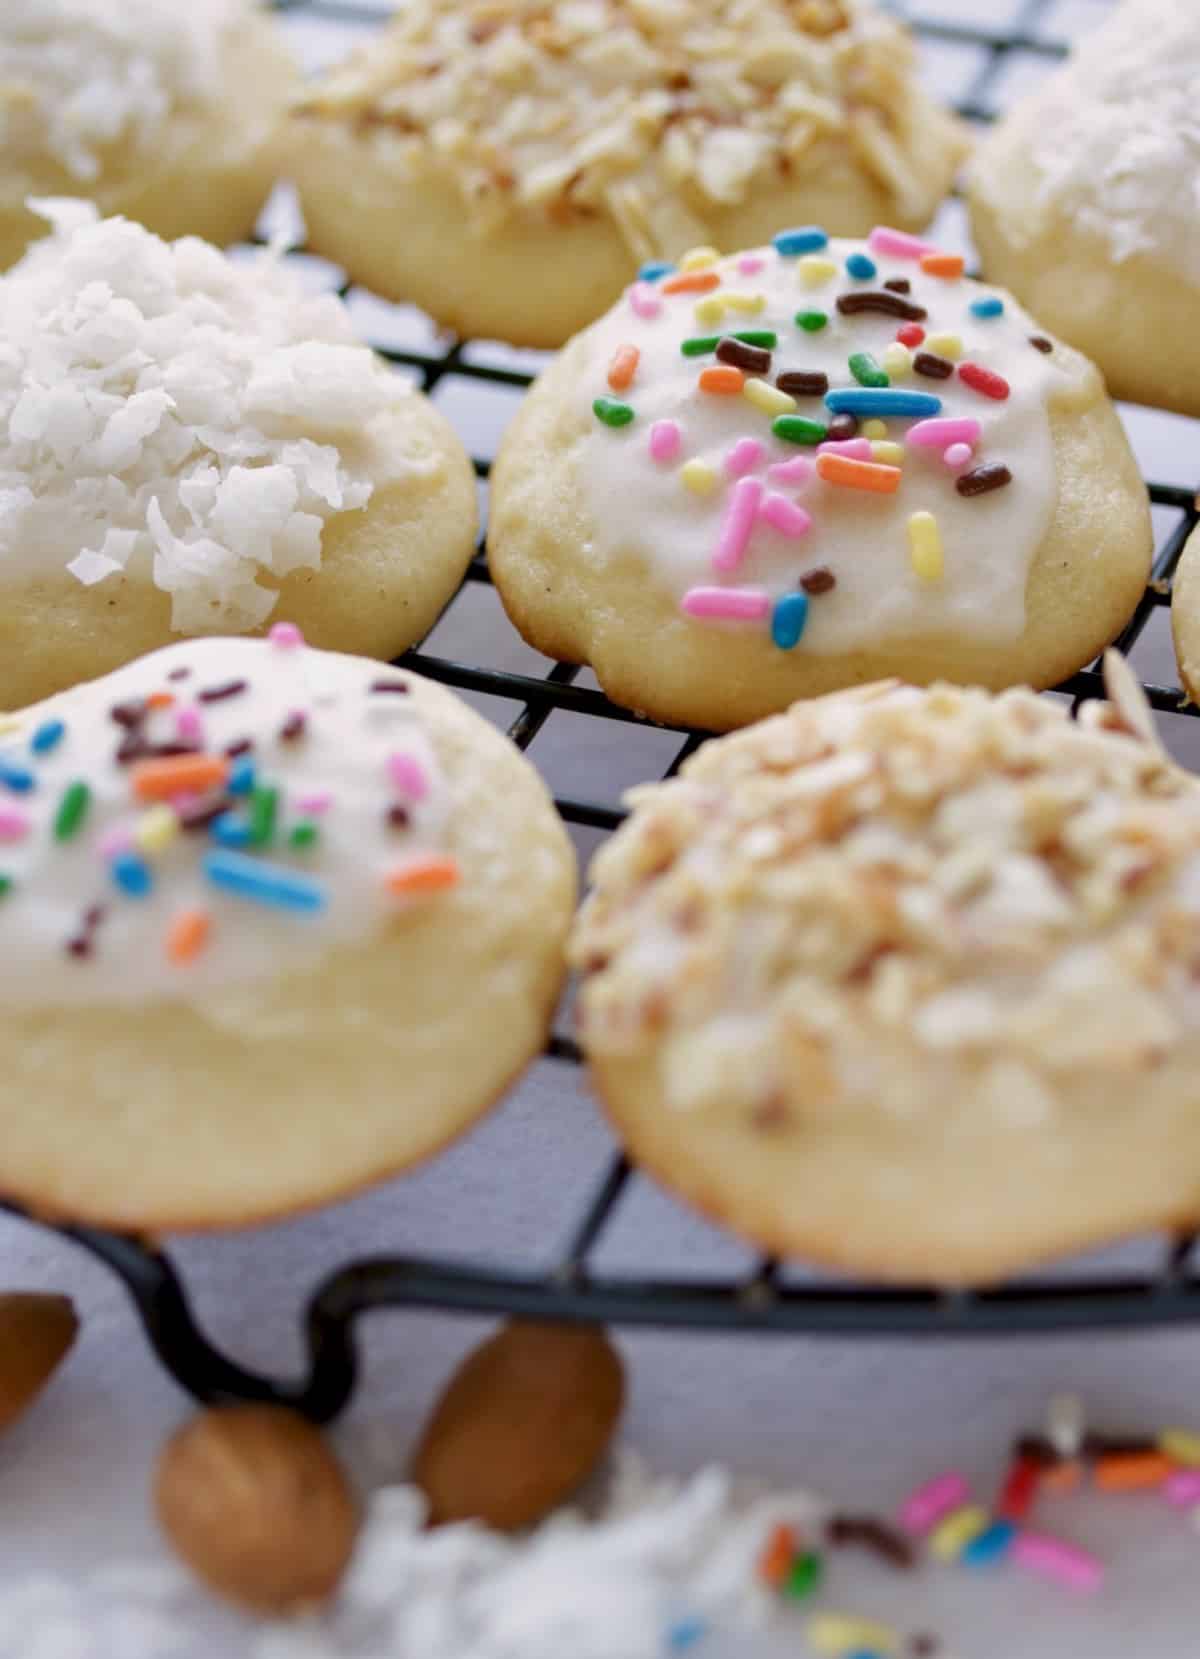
861, 1421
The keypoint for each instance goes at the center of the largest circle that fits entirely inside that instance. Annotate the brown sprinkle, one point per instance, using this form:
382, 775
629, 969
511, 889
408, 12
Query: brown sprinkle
399, 687
874, 1535
179, 674
881, 300
753, 359
898, 285
293, 727
802, 384
399, 817
843, 426
1040, 343
218, 693
820, 580
932, 366
994, 475
924, 1647
243, 746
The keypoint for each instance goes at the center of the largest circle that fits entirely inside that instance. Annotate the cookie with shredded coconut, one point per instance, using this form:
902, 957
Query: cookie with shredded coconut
190, 445
165, 113
907, 981
509, 165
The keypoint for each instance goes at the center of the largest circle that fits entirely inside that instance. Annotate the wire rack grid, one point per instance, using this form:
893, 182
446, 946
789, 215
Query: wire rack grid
762, 1300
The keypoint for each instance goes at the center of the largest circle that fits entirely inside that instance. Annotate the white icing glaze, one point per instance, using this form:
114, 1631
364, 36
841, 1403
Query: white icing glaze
346, 749
642, 506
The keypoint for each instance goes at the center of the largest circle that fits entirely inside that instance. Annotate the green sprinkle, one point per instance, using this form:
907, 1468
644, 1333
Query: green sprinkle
764, 337
812, 322
698, 346
804, 1577
866, 370
72, 810
6, 885
303, 835
612, 412
794, 429
264, 804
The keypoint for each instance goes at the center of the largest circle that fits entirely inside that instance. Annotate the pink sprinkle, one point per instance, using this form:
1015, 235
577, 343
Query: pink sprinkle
958, 456
897, 243
796, 471
857, 449
923, 1510
751, 263
408, 775
119, 839
285, 635
785, 516
1183, 1488
744, 500
727, 604
665, 440
745, 455
312, 806
189, 725
644, 300
1051, 1558
13, 824
939, 434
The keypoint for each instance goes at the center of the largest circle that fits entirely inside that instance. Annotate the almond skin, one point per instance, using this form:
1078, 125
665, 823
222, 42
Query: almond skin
36, 1332
255, 1502
522, 1423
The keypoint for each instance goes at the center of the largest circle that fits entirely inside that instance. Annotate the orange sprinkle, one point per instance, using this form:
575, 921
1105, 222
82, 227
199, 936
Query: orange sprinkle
1061, 1478
188, 934
691, 282
778, 1553
943, 264
859, 475
158, 780
160, 700
723, 378
1132, 1471
423, 875
623, 367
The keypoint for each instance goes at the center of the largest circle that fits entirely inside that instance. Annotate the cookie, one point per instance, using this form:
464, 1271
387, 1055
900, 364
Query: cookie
191, 445
275, 923
509, 167
164, 113
904, 981
812, 465
1185, 615
1081, 202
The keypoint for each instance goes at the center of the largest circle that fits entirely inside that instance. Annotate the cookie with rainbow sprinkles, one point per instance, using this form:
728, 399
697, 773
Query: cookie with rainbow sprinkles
274, 924
776, 474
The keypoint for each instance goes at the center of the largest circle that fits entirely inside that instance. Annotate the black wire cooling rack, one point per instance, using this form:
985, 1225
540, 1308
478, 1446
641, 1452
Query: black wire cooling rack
761, 1301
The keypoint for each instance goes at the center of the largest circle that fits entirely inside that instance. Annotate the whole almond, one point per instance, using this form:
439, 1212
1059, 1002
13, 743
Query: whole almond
36, 1331
522, 1423
255, 1502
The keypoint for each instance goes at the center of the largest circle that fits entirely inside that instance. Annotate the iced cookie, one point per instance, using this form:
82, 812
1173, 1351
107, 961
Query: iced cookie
274, 923
190, 445
769, 476
163, 112
1082, 202
904, 981
1185, 616
511, 166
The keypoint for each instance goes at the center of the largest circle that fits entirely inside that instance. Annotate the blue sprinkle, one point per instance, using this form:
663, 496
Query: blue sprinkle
229, 830
788, 620
864, 1653
866, 400
858, 265
263, 882
991, 1545
17, 778
655, 271
991, 305
804, 239
685, 1633
48, 736
241, 777
132, 875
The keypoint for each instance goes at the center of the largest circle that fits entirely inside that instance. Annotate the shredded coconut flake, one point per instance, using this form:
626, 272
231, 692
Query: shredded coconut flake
170, 415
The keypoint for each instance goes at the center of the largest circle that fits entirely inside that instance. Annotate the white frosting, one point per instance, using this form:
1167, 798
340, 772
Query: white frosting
1115, 137
642, 506
78, 75
172, 414
346, 750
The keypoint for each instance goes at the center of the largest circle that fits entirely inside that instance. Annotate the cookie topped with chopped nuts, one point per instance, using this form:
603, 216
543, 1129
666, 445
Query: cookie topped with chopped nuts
908, 981
509, 166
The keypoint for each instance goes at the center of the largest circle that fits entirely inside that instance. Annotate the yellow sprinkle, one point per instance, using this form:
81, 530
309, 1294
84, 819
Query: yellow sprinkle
710, 309
874, 429
945, 345
813, 270
836, 1634
699, 477
9, 723
897, 360
892, 455
768, 398
1181, 1445
156, 829
952, 1536
925, 546
698, 259
751, 303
